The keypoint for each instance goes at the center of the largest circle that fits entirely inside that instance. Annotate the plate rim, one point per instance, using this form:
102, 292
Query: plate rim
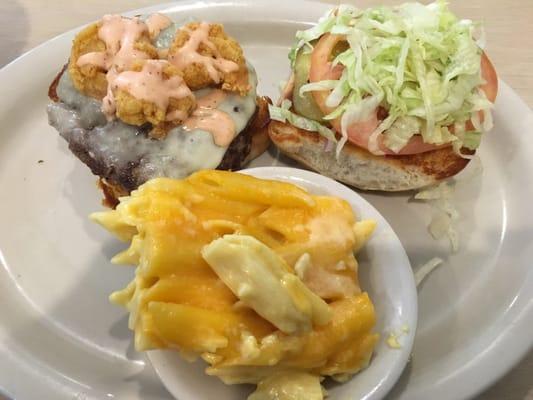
459, 385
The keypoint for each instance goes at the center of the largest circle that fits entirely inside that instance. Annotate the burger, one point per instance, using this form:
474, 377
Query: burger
145, 97
387, 98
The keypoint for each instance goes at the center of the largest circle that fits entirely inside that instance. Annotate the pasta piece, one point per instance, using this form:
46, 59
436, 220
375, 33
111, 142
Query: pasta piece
132, 255
167, 253
115, 223
363, 230
289, 386
197, 291
262, 280
248, 188
353, 319
206, 330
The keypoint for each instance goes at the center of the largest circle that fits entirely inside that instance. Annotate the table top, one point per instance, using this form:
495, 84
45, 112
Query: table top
26, 23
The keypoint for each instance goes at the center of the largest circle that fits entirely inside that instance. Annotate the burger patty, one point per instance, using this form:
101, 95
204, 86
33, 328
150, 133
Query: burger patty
88, 142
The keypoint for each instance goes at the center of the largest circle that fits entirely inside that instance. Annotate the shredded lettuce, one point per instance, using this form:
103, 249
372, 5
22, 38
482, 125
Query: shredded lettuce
317, 86
445, 214
356, 112
425, 269
442, 200
471, 140
421, 61
399, 133
284, 114
443, 190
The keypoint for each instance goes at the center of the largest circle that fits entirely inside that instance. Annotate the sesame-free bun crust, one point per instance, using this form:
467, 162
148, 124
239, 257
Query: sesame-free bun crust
358, 167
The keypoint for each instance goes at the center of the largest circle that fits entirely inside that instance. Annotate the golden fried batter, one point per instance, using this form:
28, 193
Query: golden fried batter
136, 111
196, 75
91, 79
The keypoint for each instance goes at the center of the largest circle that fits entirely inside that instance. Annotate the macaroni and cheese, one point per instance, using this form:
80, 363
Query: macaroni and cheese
256, 277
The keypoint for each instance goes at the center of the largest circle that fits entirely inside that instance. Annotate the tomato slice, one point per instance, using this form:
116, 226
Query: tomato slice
321, 68
287, 90
488, 73
359, 133
490, 87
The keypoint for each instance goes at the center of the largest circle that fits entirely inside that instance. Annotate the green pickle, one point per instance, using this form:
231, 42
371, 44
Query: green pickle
304, 105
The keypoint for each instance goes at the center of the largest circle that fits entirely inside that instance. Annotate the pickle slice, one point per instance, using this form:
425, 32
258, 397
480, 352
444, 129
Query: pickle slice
304, 105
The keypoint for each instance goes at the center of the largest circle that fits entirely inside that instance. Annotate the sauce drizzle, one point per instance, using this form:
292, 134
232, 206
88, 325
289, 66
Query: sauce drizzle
211, 100
150, 84
206, 117
119, 35
188, 54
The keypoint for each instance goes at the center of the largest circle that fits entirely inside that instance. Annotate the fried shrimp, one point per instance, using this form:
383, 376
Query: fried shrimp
153, 91
208, 56
98, 50
88, 79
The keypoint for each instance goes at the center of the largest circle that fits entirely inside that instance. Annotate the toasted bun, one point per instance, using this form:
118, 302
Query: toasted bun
358, 167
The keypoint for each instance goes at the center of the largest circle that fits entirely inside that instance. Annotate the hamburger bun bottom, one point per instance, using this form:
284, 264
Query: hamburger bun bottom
359, 168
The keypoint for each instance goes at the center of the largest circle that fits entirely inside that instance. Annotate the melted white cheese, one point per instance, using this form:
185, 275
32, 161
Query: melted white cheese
117, 145
87, 108
166, 37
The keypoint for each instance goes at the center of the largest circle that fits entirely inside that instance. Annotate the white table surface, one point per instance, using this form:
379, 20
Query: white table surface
26, 23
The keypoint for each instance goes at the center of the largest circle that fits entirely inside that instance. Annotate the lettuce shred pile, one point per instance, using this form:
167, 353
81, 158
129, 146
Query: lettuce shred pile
445, 213
420, 62
427, 268
284, 114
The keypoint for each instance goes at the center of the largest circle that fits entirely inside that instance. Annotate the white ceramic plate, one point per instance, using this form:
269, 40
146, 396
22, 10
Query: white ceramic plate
60, 338
385, 274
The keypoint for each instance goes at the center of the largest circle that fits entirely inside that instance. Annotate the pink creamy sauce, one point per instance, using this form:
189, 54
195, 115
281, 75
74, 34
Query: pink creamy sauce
156, 23
120, 34
206, 117
211, 100
188, 54
150, 84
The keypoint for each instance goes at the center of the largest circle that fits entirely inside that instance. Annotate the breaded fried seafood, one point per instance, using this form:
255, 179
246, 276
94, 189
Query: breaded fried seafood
208, 56
140, 102
98, 48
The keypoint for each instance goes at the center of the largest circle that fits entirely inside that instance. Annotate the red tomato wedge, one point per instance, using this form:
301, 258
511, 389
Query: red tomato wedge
359, 133
321, 68
488, 73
